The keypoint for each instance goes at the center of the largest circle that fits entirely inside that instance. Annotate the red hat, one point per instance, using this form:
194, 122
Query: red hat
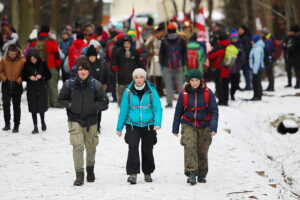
172, 26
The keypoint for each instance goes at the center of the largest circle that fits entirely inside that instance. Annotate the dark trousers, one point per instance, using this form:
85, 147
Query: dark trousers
15, 96
99, 116
288, 69
132, 138
234, 82
270, 74
222, 86
247, 75
34, 118
257, 88
297, 72
113, 87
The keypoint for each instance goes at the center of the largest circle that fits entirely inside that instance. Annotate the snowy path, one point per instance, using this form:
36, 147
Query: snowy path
41, 167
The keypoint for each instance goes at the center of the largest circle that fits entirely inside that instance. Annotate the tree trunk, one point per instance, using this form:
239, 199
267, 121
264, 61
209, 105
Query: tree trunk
98, 11
54, 14
210, 11
15, 13
37, 12
26, 19
175, 8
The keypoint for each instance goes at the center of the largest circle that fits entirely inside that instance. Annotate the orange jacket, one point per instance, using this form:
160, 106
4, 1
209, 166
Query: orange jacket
11, 69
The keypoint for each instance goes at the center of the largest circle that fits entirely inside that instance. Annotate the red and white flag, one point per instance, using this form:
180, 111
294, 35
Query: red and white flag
134, 25
200, 20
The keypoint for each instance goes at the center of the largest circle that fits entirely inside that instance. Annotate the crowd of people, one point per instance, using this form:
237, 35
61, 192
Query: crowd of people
138, 70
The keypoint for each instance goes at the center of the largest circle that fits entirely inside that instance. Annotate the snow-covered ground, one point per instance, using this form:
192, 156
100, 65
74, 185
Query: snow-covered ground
248, 159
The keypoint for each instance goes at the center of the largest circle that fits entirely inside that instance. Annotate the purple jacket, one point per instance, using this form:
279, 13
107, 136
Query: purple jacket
241, 59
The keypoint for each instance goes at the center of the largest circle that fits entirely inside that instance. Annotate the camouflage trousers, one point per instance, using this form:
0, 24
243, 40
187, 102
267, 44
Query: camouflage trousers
196, 143
80, 137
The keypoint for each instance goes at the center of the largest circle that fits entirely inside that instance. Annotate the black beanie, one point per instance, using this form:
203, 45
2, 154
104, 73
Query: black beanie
80, 36
91, 51
82, 62
45, 29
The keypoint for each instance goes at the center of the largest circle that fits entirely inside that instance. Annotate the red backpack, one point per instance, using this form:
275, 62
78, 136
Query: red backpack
193, 59
185, 97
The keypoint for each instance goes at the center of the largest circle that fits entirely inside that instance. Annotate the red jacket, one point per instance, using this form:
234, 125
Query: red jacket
217, 55
53, 59
75, 51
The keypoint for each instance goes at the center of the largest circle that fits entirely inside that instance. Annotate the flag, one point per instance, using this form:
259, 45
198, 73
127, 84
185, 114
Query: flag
135, 25
200, 20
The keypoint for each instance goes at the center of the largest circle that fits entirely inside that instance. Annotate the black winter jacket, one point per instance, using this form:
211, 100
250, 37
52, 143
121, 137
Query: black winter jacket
126, 65
82, 102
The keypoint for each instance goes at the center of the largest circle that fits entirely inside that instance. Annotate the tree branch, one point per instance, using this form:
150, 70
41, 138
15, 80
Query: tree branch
272, 9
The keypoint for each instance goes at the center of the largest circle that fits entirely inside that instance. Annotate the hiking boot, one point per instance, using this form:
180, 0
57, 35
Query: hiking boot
201, 179
35, 130
132, 179
297, 86
192, 178
148, 178
79, 179
44, 127
6, 128
288, 85
90, 177
16, 129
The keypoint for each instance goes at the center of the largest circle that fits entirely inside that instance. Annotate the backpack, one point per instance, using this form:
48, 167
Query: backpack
185, 97
173, 55
91, 80
193, 59
40, 46
230, 56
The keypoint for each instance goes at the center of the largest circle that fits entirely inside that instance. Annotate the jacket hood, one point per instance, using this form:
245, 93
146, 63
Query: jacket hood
172, 36
224, 43
19, 55
78, 43
259, 43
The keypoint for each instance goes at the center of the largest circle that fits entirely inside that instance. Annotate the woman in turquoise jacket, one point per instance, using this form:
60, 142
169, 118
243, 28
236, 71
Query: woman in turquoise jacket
141, 113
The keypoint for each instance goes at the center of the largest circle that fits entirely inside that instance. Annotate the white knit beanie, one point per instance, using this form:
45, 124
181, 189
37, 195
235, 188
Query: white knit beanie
139, 71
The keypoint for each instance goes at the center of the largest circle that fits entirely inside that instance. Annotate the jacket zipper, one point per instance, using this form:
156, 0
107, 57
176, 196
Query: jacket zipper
195, 112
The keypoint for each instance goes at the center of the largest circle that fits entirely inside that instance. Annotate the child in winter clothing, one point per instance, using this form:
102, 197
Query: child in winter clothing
256, 62
236, 68
36, 73
197, 111
141, 111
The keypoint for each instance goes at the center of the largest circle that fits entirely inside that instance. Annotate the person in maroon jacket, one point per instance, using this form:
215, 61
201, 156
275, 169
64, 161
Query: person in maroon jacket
221, 73
48, 50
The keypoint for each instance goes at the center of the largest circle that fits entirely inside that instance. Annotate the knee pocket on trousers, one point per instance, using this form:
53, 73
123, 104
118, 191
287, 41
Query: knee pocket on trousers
96, 140
76, 138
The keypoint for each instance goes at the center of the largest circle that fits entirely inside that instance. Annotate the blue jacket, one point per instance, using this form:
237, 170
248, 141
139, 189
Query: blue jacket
146, 114
199, 115
256, 58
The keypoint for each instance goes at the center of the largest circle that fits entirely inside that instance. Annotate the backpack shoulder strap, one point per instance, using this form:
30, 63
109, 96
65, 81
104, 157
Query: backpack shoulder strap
93, 85
129, 93
71, 83
185, 97
206, 96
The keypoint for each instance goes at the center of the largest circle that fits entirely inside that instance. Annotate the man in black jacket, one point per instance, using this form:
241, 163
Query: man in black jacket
291, 54
83, 96
125, 60
101, 72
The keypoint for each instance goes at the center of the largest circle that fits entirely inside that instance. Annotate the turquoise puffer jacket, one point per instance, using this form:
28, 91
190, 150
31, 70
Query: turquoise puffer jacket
140, 113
